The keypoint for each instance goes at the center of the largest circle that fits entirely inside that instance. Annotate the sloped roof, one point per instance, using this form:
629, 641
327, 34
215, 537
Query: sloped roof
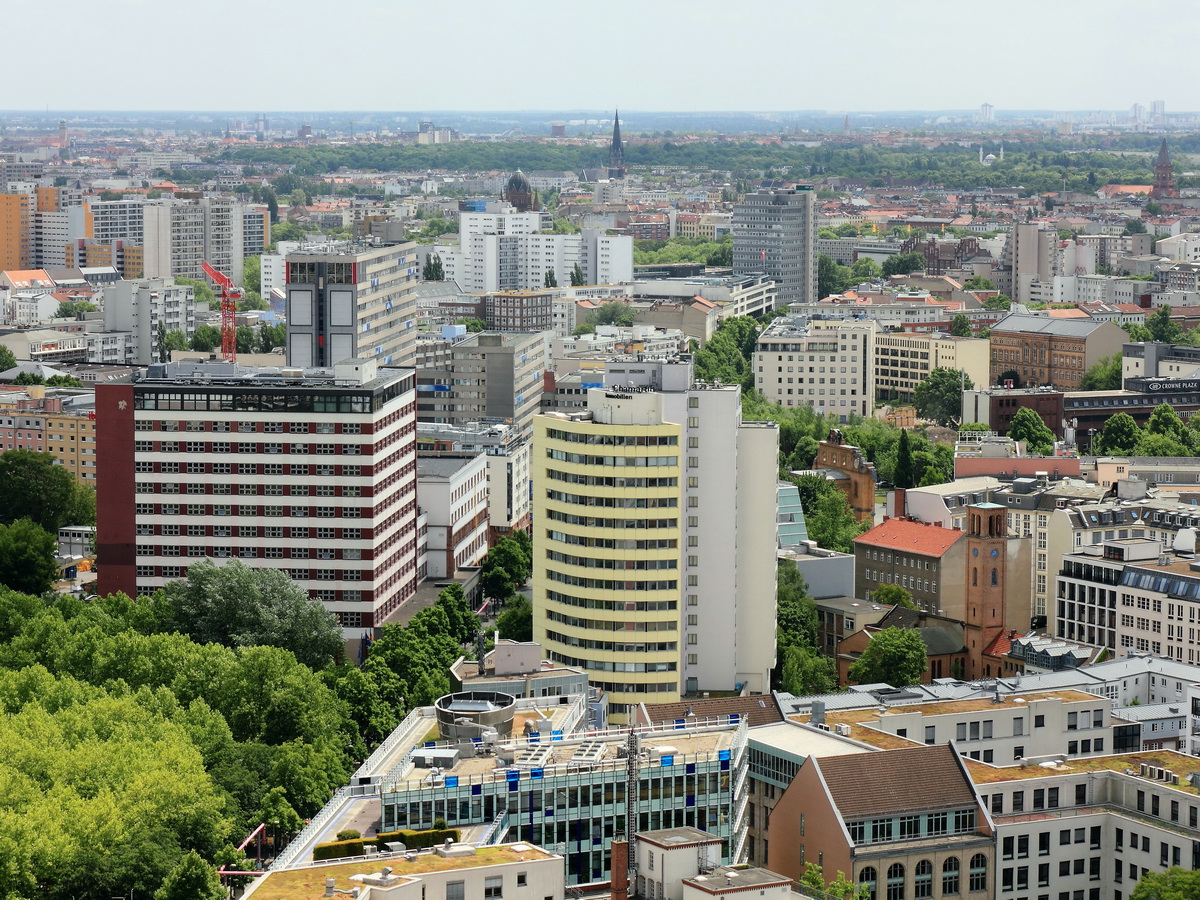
759, 710
1016, 322
894, 782
911, 537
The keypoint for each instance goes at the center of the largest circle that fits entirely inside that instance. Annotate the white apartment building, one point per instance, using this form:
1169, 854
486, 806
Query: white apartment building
118, 220
180, 234
508, 461
54, 231
452, 493
711, 528
141, 308
1130, 597
829, 369
272, 273
505, 252
1006, 729
310, 472
1090, 829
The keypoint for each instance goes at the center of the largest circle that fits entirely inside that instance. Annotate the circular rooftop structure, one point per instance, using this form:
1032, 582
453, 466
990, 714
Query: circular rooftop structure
468, 714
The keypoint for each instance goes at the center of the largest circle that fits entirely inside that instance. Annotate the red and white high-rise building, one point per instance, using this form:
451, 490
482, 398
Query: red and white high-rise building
309, 471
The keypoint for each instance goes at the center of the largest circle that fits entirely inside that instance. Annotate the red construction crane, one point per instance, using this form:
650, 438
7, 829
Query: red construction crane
230, 295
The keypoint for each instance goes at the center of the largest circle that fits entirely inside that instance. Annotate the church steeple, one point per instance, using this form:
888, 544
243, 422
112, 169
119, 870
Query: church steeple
616, 153
1164, 181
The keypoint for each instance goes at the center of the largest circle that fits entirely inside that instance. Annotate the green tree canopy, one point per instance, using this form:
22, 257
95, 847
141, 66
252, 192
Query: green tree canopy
905, 475
7, 360
27, 557
433, 270
1105, 375
832, 278
72, 309
205, 339
1028, 426
960, 326
612, 312
1174, 884
551, 280
33, 486
903, 264
201, 291
252, 274
979, 283
515, 621
895, 656
832, 524
939, 397
805, 671
892, 595
237, 606
191, 879
1119, 437
577, 276
1162, 328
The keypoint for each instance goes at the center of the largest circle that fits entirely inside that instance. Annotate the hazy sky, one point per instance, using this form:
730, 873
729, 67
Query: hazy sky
595, 54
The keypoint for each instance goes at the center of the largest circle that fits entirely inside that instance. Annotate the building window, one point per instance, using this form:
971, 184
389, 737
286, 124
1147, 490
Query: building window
895, 882
456, 890
950, 876
978, 875
493, 887
923, 881
866, 881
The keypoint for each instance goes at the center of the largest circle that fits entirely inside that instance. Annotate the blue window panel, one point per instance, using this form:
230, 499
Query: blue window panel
513, 774
723, 754
548, 813
668, 760
476, 790
724, 765
451, 781
681, 723
691, 799
536, 773
556, 734
535, 737
690, 768
734, 718
429, 744
513, 787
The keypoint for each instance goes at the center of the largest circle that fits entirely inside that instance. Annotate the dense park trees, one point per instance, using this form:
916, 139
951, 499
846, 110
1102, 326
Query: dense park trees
1047, 164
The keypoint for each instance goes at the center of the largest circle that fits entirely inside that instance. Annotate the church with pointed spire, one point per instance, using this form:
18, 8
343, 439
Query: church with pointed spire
1164, 178
616, 152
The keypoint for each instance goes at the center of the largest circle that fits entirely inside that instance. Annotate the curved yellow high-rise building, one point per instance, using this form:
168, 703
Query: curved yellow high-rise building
607, 520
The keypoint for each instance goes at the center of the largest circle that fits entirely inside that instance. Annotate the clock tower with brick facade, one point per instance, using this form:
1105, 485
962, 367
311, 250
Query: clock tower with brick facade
986, 555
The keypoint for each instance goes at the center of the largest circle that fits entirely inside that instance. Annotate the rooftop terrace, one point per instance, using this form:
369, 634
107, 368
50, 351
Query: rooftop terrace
1126, 764
308, 883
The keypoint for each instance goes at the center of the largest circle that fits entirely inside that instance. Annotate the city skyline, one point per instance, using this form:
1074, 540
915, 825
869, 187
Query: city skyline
847, 56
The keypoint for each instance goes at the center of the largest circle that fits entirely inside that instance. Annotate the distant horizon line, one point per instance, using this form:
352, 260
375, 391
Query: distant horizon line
828, 111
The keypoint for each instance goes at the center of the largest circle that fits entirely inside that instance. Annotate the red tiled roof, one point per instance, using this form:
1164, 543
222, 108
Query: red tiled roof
909, 536
1000, 646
